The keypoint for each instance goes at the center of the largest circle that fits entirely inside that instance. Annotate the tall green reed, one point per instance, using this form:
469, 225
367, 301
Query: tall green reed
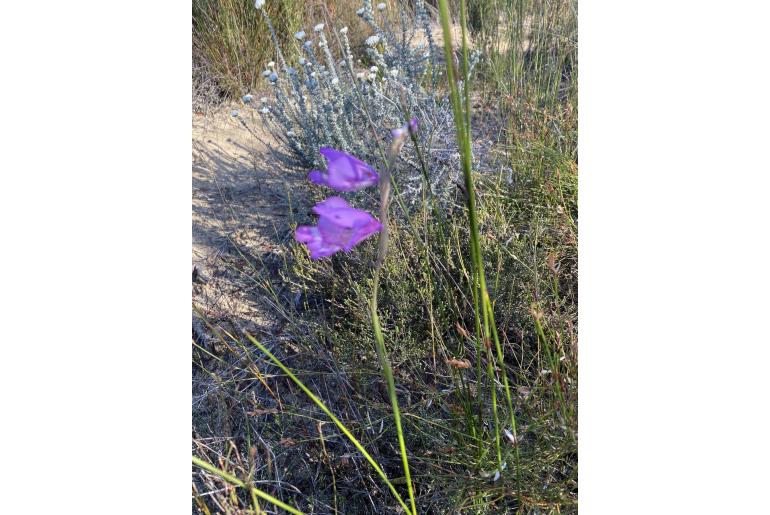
462, 117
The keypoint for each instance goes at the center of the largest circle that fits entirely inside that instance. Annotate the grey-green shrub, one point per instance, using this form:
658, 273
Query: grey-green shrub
342, 103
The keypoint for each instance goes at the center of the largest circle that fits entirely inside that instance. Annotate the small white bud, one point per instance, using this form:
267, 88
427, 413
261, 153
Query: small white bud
308, 44
259, 4
319, 27
263, 100
344, 30
374, 69
302, 60
335, 81
381, 6
234, 113
372, 40
313, 74
394, 72
360, 12
371, 76
361, 75
290, 133
264, 110
300, 35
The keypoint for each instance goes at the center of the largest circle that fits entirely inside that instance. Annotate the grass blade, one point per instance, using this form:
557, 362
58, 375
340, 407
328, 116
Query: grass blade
237, 482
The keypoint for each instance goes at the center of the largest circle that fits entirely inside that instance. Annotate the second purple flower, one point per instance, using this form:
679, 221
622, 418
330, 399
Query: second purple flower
344, 172
340, 227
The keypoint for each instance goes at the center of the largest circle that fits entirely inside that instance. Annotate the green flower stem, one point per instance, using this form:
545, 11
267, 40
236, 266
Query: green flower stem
387, 370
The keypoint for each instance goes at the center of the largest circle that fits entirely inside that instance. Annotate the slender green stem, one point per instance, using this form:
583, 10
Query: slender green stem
378, 338
463, 131
334, 419
237, 482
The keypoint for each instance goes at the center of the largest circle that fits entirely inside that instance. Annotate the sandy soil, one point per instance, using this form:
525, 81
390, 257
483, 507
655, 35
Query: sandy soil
239, 214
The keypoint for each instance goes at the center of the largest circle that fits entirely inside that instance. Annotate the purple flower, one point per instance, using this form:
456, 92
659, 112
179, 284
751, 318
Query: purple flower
344, 172
340, 227
413, 125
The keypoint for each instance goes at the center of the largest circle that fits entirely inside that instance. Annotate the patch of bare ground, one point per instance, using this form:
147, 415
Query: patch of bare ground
239, 216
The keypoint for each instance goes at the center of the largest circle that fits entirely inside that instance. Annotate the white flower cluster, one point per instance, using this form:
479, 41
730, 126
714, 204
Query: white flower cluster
259, 4
319, 103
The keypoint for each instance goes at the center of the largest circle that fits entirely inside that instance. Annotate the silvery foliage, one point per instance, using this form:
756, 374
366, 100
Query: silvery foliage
318, 101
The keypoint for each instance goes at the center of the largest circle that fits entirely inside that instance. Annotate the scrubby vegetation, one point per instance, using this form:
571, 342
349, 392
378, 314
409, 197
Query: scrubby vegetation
503, 149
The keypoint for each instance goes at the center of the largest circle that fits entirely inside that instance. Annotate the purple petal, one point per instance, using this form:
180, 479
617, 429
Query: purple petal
318, 246
317, 177
362, 232
347, 218
306, 234
413, 125
340, 227
330, 204
347, 173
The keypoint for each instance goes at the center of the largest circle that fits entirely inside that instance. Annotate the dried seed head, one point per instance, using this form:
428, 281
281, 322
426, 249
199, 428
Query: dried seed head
459, 363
